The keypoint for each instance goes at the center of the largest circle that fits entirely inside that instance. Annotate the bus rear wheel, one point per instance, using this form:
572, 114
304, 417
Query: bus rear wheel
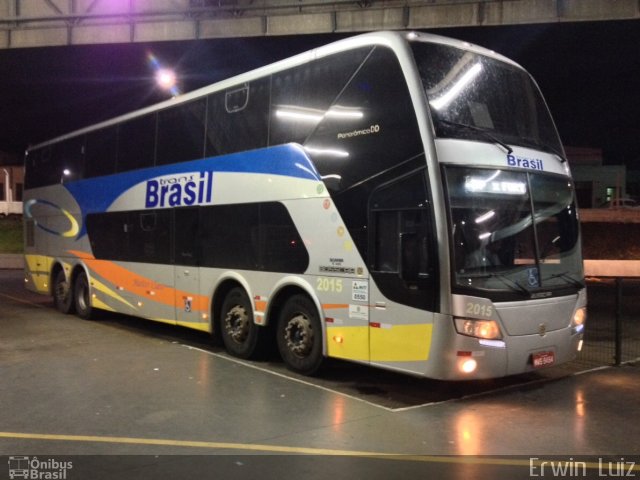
300, 335
240, 335
82, 297
62, 293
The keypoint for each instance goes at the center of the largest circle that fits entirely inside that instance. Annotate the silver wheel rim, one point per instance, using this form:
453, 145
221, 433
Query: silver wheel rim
236, 324
83, 298
62, 291
298, 336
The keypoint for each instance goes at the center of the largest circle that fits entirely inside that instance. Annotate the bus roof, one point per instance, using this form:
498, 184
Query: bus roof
394, 40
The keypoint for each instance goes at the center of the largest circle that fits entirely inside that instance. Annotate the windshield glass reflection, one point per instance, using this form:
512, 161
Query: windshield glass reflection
477, 97
513, 231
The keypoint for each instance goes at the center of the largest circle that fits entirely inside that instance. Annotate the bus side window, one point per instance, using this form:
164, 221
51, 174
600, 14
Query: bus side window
33, 172
149, 238
181, 133
187, 236
238, 118
136, 143
100, 152
70, 159
301, 96
49, 167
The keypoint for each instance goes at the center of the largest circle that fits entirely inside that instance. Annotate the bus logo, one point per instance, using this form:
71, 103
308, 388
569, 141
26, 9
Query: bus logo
18, 467
522, 162
27, 467
179, 190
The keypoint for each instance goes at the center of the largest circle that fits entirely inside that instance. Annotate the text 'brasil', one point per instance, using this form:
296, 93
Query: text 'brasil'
179, 190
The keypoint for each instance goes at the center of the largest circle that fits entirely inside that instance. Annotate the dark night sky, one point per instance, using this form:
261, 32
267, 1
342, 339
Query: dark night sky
588, 72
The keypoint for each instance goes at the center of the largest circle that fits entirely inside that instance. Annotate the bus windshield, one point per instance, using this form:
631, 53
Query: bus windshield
513, 231
476, 97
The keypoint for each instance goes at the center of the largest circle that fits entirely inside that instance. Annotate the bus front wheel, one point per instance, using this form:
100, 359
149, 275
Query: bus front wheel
300, 335
240, 334
82, 296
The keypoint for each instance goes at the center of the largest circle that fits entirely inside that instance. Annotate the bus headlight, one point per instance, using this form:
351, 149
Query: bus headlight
487, 329
579, 317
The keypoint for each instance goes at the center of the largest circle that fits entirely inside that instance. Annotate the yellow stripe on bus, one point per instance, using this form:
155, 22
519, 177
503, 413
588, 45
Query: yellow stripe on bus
401, 343
391, 343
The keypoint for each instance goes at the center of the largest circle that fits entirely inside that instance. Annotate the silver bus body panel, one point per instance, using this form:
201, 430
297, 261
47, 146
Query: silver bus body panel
359, 324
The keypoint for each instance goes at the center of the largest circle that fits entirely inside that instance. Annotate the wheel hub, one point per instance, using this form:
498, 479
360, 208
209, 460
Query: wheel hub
299, 336
236, 324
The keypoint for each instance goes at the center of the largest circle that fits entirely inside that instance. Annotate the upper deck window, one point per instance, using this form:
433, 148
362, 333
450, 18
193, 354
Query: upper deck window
472, 96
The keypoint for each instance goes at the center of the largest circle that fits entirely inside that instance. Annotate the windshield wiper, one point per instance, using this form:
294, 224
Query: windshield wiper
530, 142
481, 130
567, 277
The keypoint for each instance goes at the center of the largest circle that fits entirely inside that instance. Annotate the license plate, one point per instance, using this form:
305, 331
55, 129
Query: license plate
543, 359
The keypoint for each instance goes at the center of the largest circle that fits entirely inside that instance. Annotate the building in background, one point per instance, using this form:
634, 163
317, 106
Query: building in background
11, 184
596, 184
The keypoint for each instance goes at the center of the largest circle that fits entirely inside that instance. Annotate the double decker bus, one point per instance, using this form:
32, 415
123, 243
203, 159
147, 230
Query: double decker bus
396, 199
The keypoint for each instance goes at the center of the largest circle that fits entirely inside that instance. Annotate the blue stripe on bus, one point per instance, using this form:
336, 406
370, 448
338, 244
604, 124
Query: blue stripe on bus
97, 194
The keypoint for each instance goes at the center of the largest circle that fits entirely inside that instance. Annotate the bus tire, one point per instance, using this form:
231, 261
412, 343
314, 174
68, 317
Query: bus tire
63, 293
240, 334
299, 335
82, 297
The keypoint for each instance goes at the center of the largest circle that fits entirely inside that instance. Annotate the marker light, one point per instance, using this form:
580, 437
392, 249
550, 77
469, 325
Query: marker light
487, 329
468, 365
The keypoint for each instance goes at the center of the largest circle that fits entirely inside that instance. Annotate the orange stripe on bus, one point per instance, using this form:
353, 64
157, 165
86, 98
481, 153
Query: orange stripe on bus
141, 286
334, 306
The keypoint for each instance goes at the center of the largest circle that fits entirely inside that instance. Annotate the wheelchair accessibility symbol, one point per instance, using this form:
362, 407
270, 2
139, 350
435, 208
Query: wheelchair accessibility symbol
532, 277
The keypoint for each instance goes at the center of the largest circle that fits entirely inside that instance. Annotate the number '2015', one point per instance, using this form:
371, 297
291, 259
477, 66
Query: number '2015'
325, 284
479, 309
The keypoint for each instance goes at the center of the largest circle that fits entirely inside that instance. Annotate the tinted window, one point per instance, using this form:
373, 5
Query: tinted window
136, 143
35, 174
373, 127
149, 236
181, 133
70, 159
303, 95
237, 119
252, 237
186, 235
100, 152
142, 236
109, 235
282, 247
471, 95
48, 166
230, 236
58, 163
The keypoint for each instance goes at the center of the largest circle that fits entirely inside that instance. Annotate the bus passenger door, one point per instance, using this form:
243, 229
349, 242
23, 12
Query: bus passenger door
189, 304
403, 268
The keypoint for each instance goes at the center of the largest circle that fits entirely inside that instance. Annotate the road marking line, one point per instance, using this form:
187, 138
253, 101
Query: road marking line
506, 388
287, 377
451, 459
